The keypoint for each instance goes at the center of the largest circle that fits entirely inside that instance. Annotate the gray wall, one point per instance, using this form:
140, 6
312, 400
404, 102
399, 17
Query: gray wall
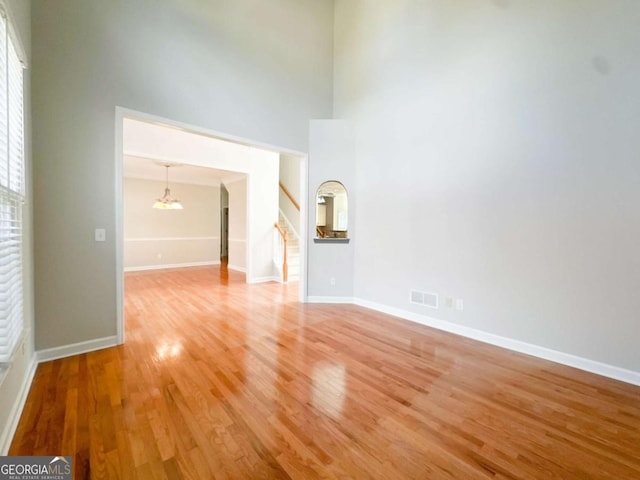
248, 68
495, 148
331, 157
497, 161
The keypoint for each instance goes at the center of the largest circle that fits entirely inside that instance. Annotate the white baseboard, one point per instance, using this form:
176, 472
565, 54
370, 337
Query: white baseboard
38, 357
76, 348
236, 268
599, 368
16, 409
171, 265
320, 299
592, 366
290, 279
263, 279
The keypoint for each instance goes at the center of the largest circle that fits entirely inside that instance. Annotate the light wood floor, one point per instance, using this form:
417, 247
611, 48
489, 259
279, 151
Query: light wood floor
219, 379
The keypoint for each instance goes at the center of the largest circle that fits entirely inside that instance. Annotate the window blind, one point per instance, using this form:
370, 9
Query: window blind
12, 171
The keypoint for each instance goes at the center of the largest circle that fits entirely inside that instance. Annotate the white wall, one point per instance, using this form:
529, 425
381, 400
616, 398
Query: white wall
14, 383
497, 162
231, 67
170, 238
237, 224
290, 178
263, 214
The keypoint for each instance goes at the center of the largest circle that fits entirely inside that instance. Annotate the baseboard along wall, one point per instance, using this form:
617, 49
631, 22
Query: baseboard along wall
16, 410
143, 268
592, 366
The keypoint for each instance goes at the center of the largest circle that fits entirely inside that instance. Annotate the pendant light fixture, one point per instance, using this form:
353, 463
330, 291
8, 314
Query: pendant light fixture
167, 202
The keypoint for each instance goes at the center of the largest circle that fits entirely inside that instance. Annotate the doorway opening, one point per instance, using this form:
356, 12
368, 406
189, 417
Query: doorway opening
224, 225
248, 176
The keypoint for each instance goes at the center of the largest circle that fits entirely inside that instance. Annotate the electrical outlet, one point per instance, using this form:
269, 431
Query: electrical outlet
459, 304
332, 281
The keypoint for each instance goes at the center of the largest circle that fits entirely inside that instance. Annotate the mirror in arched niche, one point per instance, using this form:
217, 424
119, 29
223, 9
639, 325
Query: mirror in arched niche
332, 211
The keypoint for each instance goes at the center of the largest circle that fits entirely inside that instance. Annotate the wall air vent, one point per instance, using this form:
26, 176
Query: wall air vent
431, 300
426, 299
417, 297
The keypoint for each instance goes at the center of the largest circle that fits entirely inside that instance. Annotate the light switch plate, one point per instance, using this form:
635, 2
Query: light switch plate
100, 235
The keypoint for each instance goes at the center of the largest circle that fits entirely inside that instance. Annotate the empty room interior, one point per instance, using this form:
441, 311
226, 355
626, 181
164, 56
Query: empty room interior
321, 238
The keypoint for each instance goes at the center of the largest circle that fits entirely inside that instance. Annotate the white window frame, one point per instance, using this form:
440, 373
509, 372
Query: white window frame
12, 190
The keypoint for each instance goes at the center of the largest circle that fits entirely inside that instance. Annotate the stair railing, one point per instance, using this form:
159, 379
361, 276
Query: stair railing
288, 225
289, 196
284, 237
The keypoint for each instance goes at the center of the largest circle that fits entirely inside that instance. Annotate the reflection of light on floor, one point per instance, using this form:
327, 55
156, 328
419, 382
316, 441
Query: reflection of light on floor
168, 350
258, 362
259, 376
328, 390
